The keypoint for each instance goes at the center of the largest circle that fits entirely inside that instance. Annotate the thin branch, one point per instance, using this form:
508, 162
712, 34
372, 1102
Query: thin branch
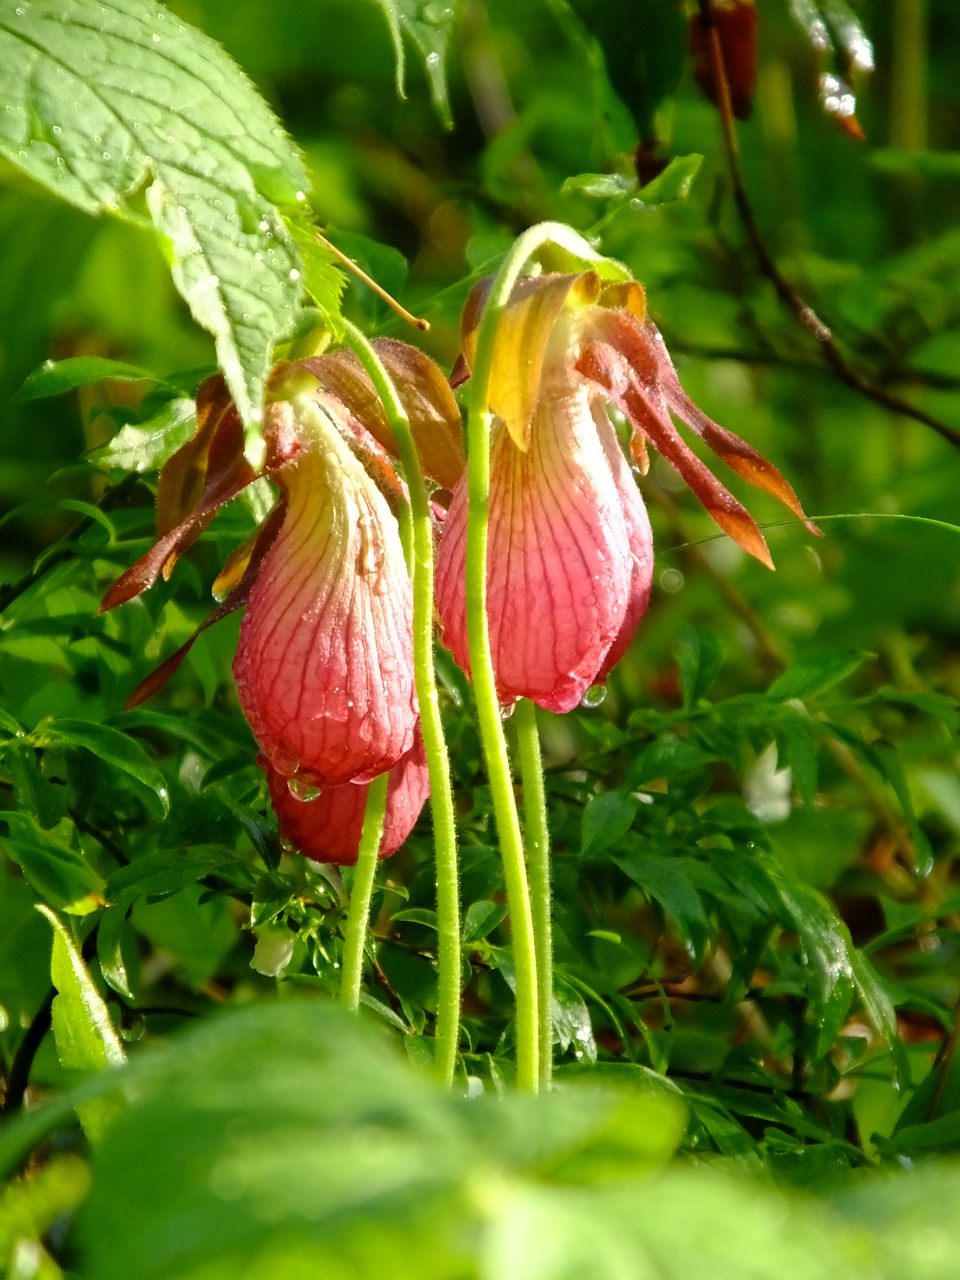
916, 377
787, 293
26, 1052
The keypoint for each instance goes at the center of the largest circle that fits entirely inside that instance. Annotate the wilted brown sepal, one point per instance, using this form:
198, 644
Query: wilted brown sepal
423, 391
256, 550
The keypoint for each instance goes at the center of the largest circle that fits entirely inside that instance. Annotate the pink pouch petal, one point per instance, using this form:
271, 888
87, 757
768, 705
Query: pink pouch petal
324, 665
328, 828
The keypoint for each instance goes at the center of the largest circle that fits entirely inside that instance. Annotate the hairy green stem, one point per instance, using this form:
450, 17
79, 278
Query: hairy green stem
438, 760
478, 639
537, 839
358, 912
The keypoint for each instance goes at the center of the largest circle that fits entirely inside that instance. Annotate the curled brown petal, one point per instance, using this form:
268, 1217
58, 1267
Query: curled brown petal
236, 600
424, 393
736, 453
628, 373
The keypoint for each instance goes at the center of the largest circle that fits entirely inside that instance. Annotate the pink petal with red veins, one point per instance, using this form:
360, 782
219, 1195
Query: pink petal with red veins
328, 828
639, 536
324, 664
560, 566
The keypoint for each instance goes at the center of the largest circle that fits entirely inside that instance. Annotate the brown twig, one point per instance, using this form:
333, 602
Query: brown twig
416, 321
787, 293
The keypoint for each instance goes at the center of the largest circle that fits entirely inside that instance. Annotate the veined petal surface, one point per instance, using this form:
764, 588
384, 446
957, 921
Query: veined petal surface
560, 563
324, 665
328, 827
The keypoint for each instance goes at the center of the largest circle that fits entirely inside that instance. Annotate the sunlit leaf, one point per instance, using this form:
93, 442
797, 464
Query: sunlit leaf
53, 866
813, 676
85, 1036
119, 107
145, 446
54, 377
113, 748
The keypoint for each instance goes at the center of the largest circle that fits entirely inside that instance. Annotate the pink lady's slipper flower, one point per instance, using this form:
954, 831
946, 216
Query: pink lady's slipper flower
570, 559
327, 827
324, 663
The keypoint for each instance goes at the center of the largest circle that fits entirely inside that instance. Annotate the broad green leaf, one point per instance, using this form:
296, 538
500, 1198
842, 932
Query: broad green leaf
813, 676
9, 725
417, 915
699, 657
571, 1021
33, 792
480, 919
674, 183
166, 871
828, 954
878, 1007
667, 881
85, 1036
119, 107
55, 869
54, 377
145, 446
109, 954
606, 820
110, 746
886, 757
600, 186
430, 25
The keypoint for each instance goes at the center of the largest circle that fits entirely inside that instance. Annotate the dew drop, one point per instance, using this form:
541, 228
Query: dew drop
672, 581
433, 59
302, 788
301, 196
594, 697
507, 711
106, 155
57, 129
294, 274
155, 38
264, 224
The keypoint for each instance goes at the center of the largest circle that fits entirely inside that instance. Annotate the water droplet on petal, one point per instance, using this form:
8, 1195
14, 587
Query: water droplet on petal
302, 788
594, 697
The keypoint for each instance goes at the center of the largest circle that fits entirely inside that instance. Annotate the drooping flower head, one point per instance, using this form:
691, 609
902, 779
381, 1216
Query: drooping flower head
570, 559
324, 663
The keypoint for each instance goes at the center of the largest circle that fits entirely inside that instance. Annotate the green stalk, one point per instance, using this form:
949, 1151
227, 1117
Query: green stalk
478, 638
537, 834
359, 911
438, 761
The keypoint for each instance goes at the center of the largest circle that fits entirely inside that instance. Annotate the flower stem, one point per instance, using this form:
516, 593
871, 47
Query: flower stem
481, 659
438, 760
537, 839
358, 912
